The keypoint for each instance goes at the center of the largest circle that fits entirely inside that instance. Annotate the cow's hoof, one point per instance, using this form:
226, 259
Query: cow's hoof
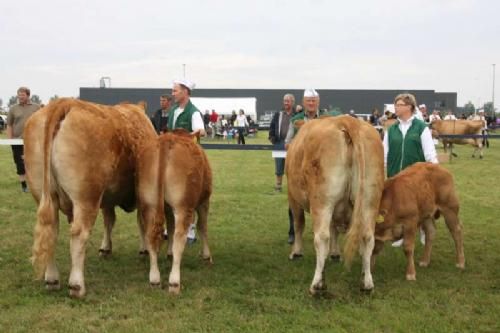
366, 290
461, 266
76, 291
207, 259
104, 253
155, 284
411, 277
423, 264
52, 285
294, 256
335, 257
318, 289
174, 288
143, 253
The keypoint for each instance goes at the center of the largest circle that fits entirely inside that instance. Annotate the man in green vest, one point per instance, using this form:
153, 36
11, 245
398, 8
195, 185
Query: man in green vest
184, 114
407, 141
311, 111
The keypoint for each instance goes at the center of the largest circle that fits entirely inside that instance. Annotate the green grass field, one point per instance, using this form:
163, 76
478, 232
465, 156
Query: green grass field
252, 286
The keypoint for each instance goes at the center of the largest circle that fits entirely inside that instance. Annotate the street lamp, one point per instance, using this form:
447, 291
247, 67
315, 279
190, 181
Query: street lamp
493, 94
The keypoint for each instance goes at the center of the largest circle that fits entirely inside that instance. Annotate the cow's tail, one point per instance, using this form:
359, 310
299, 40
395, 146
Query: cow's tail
46, 228
156, 236
358, 222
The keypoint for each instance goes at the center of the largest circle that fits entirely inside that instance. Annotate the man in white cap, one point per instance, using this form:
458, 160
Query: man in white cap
480, 116
311, 111
185, 115
434, 116
422, 113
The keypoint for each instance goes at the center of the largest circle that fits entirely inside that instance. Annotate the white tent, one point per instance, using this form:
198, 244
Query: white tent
225, 106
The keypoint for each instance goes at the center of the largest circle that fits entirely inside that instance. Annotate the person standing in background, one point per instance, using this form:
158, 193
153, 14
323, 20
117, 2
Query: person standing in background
160, 117
241, 123
18, 114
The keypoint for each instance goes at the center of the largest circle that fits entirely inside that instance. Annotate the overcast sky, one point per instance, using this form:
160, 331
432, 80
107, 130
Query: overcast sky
58, 46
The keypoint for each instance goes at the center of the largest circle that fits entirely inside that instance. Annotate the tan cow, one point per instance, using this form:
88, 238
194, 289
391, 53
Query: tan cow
335, 171
415, 198
459, 127
81, 156
186, 180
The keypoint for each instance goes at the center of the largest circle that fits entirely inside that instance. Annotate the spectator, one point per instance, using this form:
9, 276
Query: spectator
241, 123
278, 130
423, 111
18, 114
233, 118
206, 118
450, 116
160, 117
407, 141
352, 114
434, 116
484, 131
375, 116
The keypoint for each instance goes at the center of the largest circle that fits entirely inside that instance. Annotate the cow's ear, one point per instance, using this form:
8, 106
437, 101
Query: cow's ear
143, 105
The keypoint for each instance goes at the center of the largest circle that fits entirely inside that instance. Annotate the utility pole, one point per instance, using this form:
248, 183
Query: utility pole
493, 95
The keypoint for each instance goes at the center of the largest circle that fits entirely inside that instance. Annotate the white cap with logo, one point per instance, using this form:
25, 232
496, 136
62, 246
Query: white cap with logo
310, 93
186, 83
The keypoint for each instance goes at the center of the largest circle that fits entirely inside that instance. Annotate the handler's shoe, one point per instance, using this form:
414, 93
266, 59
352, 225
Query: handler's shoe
422, 236
397, 243
191, 236
278, 188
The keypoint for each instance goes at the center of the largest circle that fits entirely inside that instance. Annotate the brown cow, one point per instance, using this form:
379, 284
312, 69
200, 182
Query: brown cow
415, 198
459, 127
186, 180
335, 170
81, 156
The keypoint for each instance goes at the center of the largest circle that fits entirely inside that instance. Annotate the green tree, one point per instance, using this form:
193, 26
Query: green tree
1, 103
469, 108
53, 98
488, 108
36, 99
12, 100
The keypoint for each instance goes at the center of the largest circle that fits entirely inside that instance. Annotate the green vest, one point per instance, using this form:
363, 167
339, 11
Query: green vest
302, 116
184, 118
403, 153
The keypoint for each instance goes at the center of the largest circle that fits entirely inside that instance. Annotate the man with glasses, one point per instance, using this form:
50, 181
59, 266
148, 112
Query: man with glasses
407, 141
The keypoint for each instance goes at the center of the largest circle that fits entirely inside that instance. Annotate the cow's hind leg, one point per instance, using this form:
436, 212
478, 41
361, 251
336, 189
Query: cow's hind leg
409, 248
170, 219
52, 281
334, 242
366, 250
109, 218
84, 219
453, 223
321, 227
203, 230
299, 222
430, 232
183, 218
141, 224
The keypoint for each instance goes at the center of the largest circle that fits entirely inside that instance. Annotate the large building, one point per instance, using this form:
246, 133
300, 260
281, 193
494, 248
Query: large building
269, 100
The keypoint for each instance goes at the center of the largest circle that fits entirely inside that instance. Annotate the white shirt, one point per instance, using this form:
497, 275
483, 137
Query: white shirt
425, 138
450, 117
241, 121
434, 117
478, 117
196, 119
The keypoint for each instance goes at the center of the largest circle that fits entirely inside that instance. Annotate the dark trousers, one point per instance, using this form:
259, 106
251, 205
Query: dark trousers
291, 229
17, 153
241, 135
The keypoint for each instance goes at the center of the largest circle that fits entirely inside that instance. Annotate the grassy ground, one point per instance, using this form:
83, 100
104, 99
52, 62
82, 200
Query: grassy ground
253, 287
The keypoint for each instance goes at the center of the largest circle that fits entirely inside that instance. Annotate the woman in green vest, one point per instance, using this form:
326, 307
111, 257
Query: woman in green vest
407, 141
